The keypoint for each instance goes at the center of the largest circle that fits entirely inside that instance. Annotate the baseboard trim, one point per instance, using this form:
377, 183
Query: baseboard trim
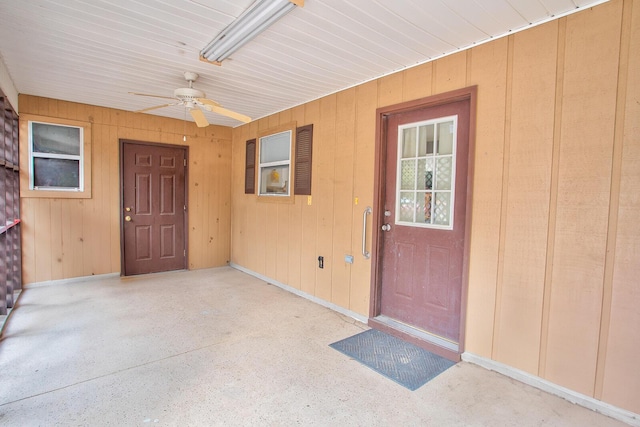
71, 280
588, 402
327, 304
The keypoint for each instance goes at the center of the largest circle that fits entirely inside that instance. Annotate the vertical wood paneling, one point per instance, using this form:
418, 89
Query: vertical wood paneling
309, 254
588, 117
363, 176
57, 247
553, 196
527, 200
324, 160
239, 201
28, 244
283, 215
42, 239
282, 245
114, 196
73, 238
295, 219
488, 71
621, 382
269, 217
450, 72
417, 82
255, 226
343, 197
390, 90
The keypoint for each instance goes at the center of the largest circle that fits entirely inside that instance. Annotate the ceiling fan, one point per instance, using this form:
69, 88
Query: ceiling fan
194, 100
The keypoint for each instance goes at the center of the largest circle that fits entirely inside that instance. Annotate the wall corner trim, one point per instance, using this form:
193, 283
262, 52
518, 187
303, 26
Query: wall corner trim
588, 402
360, 318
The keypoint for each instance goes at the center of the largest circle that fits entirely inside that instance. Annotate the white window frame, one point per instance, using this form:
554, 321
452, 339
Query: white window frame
399, 159
287, 129
35, 155
27, 189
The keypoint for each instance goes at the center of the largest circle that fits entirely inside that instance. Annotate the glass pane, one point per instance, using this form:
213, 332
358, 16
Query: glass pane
426, 140
408, 143
425, 172
55, 139
275, 148
61, 173
443, 173
442, 210
408, 174
407, 206
445, 137
423, 214
274, 180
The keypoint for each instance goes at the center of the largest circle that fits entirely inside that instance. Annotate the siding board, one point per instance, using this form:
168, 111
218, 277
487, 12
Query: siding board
527, 198
488, 71
584, 180
621, 384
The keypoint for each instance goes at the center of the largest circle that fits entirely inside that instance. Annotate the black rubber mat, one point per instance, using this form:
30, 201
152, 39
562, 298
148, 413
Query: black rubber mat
398, 360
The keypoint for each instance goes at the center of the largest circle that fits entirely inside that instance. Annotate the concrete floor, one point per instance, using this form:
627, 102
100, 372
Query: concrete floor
219, 347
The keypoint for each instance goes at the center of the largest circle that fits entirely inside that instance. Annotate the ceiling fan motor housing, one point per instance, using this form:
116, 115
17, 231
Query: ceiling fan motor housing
188, 94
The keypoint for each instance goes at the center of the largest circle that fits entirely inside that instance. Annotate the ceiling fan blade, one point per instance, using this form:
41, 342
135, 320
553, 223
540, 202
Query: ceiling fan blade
229, 113
153, 96
208, 102
198, 116
156, 107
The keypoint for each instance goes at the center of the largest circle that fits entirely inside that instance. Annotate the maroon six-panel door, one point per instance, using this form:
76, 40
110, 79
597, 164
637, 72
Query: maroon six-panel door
153, 208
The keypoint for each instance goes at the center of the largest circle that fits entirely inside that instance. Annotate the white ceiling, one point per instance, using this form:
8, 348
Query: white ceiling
96, 51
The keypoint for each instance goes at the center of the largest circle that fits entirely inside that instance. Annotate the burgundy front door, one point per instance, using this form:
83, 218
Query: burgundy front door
153, 208
423, 227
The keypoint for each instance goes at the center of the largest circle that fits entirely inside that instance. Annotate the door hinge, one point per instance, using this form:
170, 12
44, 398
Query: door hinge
185, 208
185, 162
184, 252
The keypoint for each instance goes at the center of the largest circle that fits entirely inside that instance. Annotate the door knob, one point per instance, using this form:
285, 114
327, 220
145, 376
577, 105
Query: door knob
127, 218
128, 209
386, 227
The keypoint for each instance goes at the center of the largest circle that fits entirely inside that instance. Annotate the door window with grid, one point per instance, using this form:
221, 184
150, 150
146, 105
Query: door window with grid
426, 173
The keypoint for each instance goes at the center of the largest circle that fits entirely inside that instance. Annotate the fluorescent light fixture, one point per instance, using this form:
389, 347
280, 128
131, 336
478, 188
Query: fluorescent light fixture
260, 16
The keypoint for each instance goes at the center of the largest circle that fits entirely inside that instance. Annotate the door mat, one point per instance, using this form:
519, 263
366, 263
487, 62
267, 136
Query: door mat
408, 365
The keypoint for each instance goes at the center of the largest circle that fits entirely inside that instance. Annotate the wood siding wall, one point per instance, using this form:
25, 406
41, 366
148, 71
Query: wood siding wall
555, 243
66, 238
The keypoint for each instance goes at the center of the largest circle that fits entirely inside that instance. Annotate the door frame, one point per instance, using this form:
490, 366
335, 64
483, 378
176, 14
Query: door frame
382, 114
121, 144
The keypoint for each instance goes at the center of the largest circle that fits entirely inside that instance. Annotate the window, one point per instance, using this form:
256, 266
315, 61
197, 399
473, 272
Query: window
426, 170
59, 157
274, 164
56, 157
275, 154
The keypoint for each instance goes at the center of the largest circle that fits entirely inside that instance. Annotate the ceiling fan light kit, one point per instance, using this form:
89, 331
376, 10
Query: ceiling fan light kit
193, 100
257, 18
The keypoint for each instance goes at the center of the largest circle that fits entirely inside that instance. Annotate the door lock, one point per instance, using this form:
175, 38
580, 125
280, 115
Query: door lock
386, 227
127, 218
